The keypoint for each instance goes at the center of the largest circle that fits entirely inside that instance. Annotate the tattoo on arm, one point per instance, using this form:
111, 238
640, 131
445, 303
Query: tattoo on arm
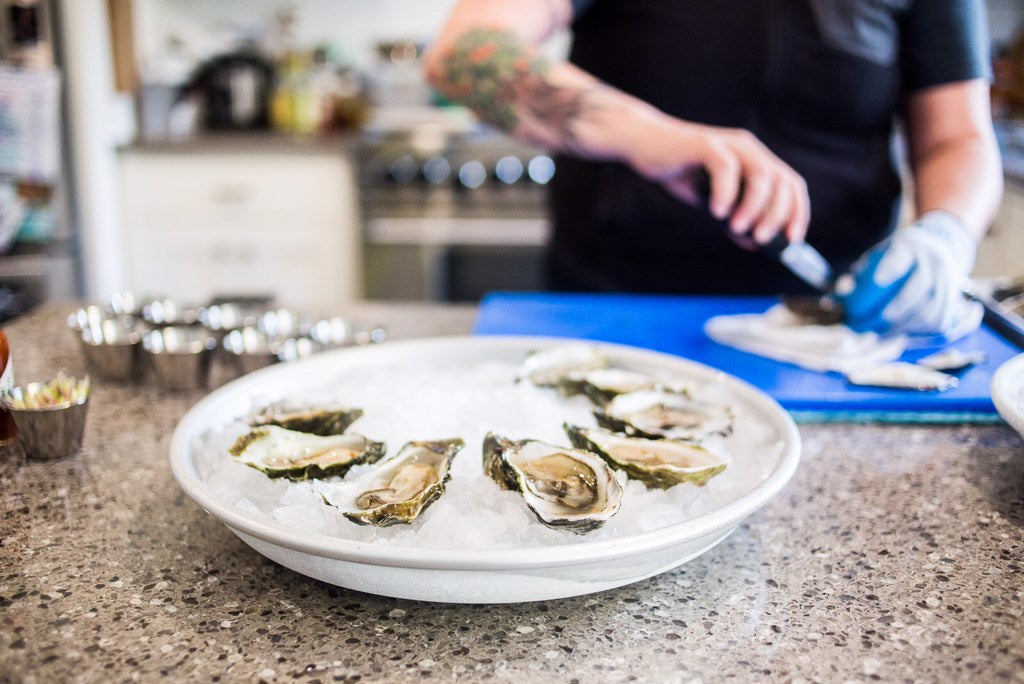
492, 73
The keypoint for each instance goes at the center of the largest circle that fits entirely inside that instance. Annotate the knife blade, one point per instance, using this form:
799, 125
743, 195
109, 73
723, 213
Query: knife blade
800, 258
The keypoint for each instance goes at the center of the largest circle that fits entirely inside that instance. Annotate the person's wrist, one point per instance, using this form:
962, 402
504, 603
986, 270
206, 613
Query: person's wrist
949, 230
645, 137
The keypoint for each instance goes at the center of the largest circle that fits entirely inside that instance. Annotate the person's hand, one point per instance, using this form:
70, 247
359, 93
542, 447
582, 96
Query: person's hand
757, 192
912, 281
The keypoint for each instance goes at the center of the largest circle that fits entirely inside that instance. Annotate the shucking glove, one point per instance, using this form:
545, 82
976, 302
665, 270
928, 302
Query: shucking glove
911, 282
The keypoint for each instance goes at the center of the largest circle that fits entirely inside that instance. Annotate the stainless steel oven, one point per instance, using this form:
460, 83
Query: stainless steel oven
452, 216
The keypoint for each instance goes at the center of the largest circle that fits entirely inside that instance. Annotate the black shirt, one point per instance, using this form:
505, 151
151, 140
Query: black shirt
820, 82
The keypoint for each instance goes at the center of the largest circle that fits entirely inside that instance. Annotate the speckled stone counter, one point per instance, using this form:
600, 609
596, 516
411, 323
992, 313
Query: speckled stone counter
896, 553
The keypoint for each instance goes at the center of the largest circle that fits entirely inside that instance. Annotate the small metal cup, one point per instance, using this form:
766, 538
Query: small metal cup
112, 348
284, 323
50, 432
180, 356
250, 349
295, 348
337, 332
227, 316
167, 312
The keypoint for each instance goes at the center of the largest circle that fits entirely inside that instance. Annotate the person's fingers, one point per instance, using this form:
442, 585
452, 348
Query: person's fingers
758, 188
726, 178
864, 305
776, 215
800, 217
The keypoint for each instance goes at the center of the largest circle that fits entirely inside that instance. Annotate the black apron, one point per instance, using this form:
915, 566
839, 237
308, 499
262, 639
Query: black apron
817, 81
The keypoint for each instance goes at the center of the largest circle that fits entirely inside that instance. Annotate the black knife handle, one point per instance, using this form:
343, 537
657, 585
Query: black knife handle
702, 186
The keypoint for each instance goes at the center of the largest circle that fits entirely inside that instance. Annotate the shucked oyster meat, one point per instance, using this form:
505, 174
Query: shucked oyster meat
316, 420
279, 452
663, 414
565, 488
659, 463
397, 489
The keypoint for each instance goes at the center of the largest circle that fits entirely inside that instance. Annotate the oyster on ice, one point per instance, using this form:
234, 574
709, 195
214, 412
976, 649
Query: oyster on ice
551, 366
664, 414
295, 455
314, 420
604, 384
399, 488
565, 488
659, 463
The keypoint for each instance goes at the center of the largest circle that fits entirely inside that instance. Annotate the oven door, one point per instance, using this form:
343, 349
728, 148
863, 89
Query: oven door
453, 259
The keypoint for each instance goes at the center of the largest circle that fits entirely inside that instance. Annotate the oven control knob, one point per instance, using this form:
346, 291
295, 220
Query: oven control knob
508, 170
403, 170
437, 170
472, 175
541, 169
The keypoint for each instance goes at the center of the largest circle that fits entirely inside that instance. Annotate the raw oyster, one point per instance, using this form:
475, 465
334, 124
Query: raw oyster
952, 360
604, 384
548, 367
321, 421
663, 414
657, 462
301, 456
565, 488
900, 375
398, 488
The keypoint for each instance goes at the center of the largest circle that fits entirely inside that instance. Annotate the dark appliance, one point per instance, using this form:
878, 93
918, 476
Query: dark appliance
233, 91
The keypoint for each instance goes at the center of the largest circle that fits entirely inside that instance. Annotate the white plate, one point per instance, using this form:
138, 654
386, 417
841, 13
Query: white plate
1008, 392
483, 575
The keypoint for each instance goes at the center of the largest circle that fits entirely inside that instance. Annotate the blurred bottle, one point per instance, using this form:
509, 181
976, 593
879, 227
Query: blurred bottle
7, 432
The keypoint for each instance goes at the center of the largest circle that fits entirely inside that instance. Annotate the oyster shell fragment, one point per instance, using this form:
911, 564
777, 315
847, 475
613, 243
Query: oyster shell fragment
664, 414
295, 455
660, 463
551, 366
565, 488
901, 375
314, 420
399, 488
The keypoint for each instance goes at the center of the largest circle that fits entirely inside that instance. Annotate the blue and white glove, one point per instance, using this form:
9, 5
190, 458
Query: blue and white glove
911, 282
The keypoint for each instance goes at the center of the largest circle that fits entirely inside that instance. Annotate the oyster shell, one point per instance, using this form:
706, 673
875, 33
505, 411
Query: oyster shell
399, 488
604, 384
551, 366
295, 455
657, 462
314, 420
901, 375
565, 488
664, 414
952, 360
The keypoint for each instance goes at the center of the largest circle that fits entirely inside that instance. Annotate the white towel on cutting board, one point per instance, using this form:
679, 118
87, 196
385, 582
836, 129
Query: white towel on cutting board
780, 334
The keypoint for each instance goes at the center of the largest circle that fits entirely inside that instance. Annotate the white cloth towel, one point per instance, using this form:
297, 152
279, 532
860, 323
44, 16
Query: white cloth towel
780, 334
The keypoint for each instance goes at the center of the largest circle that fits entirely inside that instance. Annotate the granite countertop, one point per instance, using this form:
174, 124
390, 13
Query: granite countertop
896, 553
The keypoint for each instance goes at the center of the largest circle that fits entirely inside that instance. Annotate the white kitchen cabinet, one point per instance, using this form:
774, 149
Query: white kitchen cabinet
1001, 253
200, 225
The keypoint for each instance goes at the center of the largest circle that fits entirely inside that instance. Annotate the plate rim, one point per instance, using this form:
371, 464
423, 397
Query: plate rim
1001, 391
416, 557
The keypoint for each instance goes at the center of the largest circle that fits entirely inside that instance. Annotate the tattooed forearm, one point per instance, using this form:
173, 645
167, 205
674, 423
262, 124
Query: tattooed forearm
509, 86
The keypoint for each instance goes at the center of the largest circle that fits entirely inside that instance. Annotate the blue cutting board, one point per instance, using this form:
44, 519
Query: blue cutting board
675, 324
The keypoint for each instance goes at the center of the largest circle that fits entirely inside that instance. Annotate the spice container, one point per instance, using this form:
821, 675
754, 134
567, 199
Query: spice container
50, 417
